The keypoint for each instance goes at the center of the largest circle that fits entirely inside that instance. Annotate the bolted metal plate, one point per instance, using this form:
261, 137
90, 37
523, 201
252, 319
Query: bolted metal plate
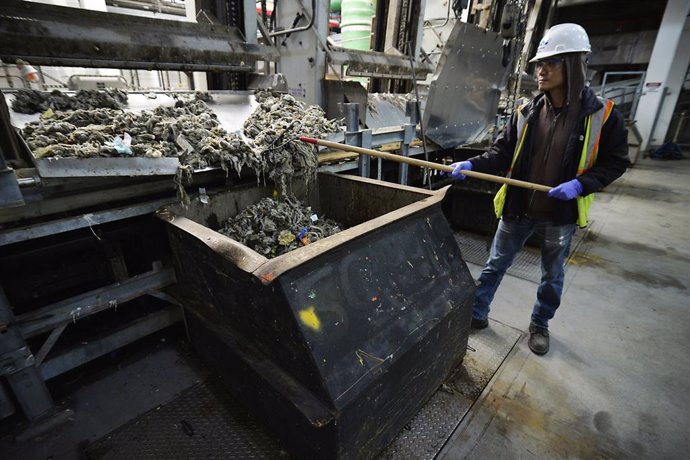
465, 89
207, 422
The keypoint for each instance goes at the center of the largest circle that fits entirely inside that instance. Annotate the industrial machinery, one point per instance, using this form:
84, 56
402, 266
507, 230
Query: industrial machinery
79, 244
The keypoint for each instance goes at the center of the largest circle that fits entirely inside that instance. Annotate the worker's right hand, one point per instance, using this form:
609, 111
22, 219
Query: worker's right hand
458, 167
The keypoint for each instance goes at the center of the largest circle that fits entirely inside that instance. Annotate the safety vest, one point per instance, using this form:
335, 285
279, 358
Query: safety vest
590, 149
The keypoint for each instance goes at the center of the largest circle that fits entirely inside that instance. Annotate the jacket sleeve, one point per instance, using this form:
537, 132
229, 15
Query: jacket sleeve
612, 159
498, 157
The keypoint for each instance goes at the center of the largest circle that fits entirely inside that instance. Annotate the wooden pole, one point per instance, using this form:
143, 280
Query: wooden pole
425, 164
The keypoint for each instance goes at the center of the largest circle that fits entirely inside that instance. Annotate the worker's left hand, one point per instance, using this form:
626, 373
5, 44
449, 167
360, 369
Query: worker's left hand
567, 190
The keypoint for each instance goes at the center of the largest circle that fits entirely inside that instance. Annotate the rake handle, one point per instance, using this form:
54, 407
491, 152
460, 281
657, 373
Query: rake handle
425, 164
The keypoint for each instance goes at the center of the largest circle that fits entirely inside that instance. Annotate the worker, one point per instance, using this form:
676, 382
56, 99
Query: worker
27, 71
566, 138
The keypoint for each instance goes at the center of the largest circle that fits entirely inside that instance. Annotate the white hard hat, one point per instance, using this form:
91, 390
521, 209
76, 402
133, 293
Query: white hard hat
563, 38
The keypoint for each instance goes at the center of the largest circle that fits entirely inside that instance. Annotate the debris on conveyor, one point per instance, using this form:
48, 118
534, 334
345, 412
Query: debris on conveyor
274, 227
103, 132
203, 96
33, 101
396, 100
273, 127
191, 132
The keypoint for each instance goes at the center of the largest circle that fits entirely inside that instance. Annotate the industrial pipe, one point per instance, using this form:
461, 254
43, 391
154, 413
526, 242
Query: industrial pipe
425, 164
297, 29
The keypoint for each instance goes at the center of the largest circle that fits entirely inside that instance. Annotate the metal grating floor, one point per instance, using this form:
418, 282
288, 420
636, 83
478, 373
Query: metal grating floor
207, 422
527, 264
430, 429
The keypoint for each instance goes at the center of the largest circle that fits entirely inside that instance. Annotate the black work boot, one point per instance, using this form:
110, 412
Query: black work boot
479, 323
538, 339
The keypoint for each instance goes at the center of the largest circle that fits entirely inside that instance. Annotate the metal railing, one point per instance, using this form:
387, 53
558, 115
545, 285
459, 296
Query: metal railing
624, 93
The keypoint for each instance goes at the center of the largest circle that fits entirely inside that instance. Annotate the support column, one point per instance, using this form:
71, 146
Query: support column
303, 53
199, 81
409, 133
674, 86
357, 137
250, 27
17, 365
665, 73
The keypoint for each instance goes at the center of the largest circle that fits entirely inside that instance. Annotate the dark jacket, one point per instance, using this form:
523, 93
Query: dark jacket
611, 163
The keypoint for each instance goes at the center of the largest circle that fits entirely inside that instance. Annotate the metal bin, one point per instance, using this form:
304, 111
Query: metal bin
336, 345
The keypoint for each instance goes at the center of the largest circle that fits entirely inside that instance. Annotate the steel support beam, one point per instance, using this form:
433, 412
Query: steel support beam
250, 21
17, 365
409, 133
136, 330
67, 224
55, 35
303, 53
377, 64
52, 316
355, 136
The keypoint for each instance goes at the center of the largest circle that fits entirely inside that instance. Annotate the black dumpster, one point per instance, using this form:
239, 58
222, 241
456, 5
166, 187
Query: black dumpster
335, 345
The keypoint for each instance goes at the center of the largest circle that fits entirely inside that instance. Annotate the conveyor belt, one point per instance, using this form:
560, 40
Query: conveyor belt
207, 422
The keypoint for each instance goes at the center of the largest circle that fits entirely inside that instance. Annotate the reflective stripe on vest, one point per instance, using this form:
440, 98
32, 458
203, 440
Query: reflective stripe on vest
500, 197
593, 126
590, 149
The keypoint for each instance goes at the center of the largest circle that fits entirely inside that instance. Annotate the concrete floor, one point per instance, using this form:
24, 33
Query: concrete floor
616, 382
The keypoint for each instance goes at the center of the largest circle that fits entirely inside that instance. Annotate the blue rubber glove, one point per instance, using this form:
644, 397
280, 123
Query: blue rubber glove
567, 190
457, 167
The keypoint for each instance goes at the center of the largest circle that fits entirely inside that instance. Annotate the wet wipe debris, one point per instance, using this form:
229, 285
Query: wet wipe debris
33, 101
274, 227
110, 133
273, 127
191, 132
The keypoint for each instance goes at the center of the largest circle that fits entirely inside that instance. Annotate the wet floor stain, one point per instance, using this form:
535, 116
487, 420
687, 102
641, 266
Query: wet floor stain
657, 193
644, 275
603, 422
568, 432
651, 279
639, 248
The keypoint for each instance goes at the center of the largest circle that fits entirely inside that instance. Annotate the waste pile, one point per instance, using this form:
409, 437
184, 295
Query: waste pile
108, 132
273, 127
191, 132
33, 101
275, 226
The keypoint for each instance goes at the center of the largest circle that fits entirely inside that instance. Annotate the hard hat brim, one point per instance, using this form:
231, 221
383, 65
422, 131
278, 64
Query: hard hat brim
548, 54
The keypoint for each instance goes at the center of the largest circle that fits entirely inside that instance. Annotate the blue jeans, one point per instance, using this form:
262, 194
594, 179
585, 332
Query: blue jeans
509, 240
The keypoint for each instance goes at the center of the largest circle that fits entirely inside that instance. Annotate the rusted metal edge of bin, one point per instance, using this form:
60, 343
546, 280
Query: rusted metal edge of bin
266, 269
